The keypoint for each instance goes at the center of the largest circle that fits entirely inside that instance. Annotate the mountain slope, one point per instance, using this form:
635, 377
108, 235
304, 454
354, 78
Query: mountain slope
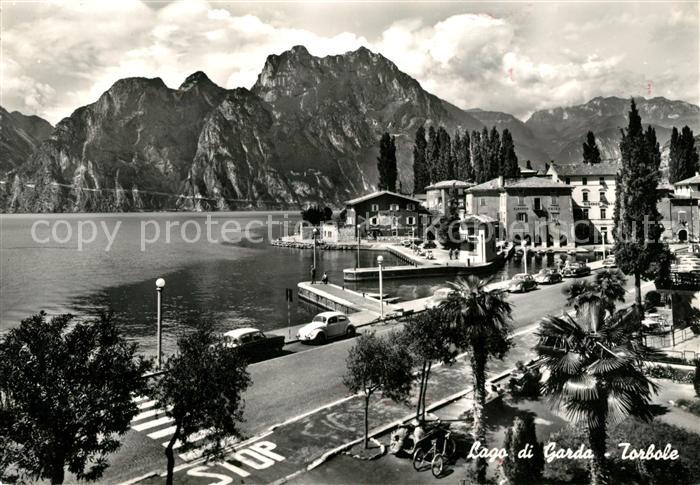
19, 137
563, 130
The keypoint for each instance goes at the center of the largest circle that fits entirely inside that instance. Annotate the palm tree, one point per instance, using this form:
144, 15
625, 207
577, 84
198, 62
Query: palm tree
480, 319
593, 300
595, 375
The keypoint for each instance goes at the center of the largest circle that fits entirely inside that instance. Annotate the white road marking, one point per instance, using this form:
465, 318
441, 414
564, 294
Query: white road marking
148, 414
147, 404
162, 433
153, 424
192, 438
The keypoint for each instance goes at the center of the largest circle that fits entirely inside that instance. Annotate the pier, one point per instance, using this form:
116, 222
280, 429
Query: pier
406, 271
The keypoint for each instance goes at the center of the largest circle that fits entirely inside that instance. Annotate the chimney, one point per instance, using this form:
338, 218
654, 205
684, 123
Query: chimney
500, 180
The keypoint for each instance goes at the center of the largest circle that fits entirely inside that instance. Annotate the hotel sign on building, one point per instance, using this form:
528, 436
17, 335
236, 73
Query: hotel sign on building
593, 194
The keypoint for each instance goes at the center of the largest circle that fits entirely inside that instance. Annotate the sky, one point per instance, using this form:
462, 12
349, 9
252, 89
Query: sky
516, 57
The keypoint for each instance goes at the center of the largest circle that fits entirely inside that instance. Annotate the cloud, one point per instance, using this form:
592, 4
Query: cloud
58, 56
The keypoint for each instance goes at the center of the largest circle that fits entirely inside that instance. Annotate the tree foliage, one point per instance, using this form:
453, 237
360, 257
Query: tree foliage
519, 468
202, 389
481, 322
638, 250
386, 163
448, 228
591, 153
683, 155
66, 394
379, 364
429, 338
315, 215
509, 160
421, 174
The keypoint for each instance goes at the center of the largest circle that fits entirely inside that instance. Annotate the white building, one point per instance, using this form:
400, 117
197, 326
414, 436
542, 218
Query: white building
689, 187
593, 194
438, 196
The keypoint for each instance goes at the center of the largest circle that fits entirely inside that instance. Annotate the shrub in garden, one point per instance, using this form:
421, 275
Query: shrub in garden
668, 372
517, 466
652, 300
696, 378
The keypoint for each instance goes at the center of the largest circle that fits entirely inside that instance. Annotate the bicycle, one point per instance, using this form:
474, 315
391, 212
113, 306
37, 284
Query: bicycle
435, 457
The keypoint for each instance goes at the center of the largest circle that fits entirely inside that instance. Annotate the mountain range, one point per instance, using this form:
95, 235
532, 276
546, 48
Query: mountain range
306, 132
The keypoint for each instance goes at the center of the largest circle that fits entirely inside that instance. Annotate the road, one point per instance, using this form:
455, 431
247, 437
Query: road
295, 384
305, 379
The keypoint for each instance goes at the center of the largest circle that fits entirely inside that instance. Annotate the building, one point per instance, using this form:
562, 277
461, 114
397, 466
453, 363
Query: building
680, 211
386, 214
593, 194
534, 209
438, 196
479, 244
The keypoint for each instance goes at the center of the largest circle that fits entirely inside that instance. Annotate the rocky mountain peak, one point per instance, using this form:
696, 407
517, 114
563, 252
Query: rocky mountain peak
196, 79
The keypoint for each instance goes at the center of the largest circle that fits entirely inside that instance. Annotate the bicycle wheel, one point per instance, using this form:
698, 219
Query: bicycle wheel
437, 465
450, 448
418, 459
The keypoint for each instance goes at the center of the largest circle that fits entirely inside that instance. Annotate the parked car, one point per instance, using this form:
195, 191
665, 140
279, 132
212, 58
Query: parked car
521, 283
411, 242
575, 270
428, 245
609, 262
254, 343
326, 326
548, 277
438, 297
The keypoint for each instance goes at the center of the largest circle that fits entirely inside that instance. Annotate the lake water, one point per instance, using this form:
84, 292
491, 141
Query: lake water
210, 280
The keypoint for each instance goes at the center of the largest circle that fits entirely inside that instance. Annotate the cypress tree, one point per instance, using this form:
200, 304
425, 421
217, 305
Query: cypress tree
510, 166
456, 154
421, 176
485, 155
466, 170
444, 169
687, 154
637, 231
674, 169
591, 153
494, 147
476, 156
386, 163
432, 154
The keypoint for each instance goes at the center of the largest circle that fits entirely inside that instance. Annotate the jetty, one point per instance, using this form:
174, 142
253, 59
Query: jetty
337, 298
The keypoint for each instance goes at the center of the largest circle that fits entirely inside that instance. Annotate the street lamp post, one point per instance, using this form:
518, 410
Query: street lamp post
605, 237
525, 256
380, 260
160, 284
357, 263
315, 233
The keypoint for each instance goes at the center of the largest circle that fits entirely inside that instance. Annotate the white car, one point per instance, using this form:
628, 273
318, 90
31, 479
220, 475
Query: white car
438, 297
326, 326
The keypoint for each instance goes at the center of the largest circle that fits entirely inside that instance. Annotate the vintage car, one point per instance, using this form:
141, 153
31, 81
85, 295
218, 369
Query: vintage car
253, 343
609, 262
411, 242
575, 270
326, 326
521, 283
428, 245
548, 276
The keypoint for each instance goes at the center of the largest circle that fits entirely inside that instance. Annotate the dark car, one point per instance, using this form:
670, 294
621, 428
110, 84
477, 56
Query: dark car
253, 343
548, 277
428, 245
521, 283
576, 270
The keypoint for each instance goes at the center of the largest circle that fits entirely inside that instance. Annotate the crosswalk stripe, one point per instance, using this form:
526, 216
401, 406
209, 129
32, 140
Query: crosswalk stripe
162, 433
148, 414
194, 437
198, 452
139, 398
147, 404
153, 424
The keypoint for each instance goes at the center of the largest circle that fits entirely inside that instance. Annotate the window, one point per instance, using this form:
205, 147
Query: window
375, 207
521, 200
585, 213
601, 180
522, 217
584, 194
584, 181
554, 200
603, 213
410, 206
373, 221
482, 201
568, 180
681, 216
602, 197
538, 205
411, 221
394, 207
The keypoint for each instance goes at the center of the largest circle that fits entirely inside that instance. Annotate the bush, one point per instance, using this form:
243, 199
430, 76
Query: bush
527, 386
633, 472
523, 470
652, 299
696, 378
667, 372
692, 406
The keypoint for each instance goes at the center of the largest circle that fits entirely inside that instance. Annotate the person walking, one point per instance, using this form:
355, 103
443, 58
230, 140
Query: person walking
313, 274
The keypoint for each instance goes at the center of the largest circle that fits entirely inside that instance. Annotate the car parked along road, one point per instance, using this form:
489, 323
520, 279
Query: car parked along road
326, 326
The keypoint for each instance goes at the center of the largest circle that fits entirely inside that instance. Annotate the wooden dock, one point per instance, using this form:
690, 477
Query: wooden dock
431, 270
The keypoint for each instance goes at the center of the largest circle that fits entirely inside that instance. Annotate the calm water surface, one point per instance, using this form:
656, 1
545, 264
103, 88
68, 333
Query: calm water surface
208, 281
